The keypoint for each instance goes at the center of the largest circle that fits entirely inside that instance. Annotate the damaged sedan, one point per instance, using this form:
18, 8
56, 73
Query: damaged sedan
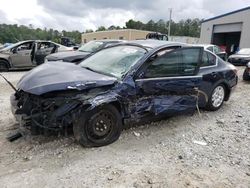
129, 82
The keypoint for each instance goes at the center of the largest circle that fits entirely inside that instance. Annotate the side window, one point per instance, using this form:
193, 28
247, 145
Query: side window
210, 49
212, 59
181, 62
217, 49
208, 59
25, 46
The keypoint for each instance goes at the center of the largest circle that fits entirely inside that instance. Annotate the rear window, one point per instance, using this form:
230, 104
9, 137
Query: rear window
208, 59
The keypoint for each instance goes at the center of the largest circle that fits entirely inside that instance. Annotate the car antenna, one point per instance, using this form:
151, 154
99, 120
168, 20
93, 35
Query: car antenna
11, 85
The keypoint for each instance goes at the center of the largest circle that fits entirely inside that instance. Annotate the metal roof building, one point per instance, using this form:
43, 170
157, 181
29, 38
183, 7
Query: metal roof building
231, 30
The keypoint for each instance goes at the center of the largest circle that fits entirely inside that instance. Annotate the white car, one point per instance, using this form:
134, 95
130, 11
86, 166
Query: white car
214, 49
27, 54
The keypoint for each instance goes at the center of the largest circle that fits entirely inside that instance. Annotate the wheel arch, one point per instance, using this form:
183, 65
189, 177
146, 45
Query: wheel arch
227, 88
106, 100
6, 61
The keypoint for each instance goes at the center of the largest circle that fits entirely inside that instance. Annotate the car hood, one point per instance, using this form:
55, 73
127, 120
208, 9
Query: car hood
58, 76
242, 56
68, 56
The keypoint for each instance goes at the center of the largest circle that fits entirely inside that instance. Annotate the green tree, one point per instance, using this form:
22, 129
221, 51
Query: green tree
101, 28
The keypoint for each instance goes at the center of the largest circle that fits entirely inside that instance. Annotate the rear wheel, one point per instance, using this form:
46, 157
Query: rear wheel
246, 75
216, 100
99, 127
3, 66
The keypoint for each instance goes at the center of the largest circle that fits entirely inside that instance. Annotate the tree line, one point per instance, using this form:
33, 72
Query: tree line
15, 33
188, 27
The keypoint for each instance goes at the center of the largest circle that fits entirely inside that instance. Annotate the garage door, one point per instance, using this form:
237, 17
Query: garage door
227, 28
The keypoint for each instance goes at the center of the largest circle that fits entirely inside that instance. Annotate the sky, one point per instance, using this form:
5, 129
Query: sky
90, 14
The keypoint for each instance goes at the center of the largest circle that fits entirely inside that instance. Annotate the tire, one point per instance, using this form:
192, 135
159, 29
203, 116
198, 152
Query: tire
98, 127
217, 98
3, 66
246, 75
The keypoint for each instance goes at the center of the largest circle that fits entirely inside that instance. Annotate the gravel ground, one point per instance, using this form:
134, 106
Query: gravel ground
207, 150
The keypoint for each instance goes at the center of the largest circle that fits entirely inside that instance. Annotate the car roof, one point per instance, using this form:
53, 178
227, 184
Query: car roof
204, 45
109, 40
150, 43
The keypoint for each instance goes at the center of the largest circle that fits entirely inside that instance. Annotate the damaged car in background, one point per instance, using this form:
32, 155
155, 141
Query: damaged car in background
27, 54
84, 51
130, 82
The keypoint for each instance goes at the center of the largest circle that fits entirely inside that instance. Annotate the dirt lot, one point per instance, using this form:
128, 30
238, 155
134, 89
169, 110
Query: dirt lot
161, 154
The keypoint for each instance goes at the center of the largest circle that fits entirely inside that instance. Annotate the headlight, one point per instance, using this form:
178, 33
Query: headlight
46, 60
248, 64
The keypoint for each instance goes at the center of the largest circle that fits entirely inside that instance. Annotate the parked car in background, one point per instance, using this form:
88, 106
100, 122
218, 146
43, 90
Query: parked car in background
27, 54
216, 50
157, 36
242, 57
127, 82
246, 74
83, 51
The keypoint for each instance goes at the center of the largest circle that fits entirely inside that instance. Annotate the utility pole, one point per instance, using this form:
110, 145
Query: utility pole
169, 23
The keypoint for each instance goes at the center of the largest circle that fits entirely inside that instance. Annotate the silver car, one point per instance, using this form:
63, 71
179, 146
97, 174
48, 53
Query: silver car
27, 54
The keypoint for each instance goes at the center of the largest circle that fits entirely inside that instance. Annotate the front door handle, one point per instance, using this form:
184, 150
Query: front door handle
214, 74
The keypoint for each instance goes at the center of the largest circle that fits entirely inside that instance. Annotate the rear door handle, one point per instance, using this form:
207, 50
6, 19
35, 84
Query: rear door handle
214, 74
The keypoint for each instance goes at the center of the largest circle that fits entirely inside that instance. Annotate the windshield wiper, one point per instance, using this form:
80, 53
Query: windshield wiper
88, 68
84, 51
99, 72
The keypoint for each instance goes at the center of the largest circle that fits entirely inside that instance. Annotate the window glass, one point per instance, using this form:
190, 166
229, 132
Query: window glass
210, 49
182, 62
91, 46
45, 45
117, 63
217, 49
212, 59
208, 59
25, 46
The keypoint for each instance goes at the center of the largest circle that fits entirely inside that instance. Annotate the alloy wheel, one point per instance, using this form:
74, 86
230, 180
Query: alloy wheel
218, 96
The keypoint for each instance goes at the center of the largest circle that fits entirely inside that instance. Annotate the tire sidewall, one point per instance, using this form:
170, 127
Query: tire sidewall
210, 105
5, 65
246, 76
80, 128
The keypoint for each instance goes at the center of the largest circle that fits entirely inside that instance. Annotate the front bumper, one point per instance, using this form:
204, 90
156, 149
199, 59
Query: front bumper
31, 113
20, 118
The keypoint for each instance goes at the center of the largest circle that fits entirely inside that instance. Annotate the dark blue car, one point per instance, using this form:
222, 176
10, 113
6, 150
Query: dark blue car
129, 82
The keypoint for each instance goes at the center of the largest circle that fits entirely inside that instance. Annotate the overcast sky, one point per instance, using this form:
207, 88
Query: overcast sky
89, 14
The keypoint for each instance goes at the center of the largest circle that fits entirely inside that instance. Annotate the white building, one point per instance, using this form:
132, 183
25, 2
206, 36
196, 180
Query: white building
231, 30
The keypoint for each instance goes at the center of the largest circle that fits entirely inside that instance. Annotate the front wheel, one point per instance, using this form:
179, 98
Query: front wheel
99, 127
3, 66
216, 100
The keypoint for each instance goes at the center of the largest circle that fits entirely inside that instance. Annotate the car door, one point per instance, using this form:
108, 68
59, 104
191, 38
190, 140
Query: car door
43, 49
168, 84
21, 55
210, 74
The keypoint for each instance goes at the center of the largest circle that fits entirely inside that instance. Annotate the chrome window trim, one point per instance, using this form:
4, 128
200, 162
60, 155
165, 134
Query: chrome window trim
168, 78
